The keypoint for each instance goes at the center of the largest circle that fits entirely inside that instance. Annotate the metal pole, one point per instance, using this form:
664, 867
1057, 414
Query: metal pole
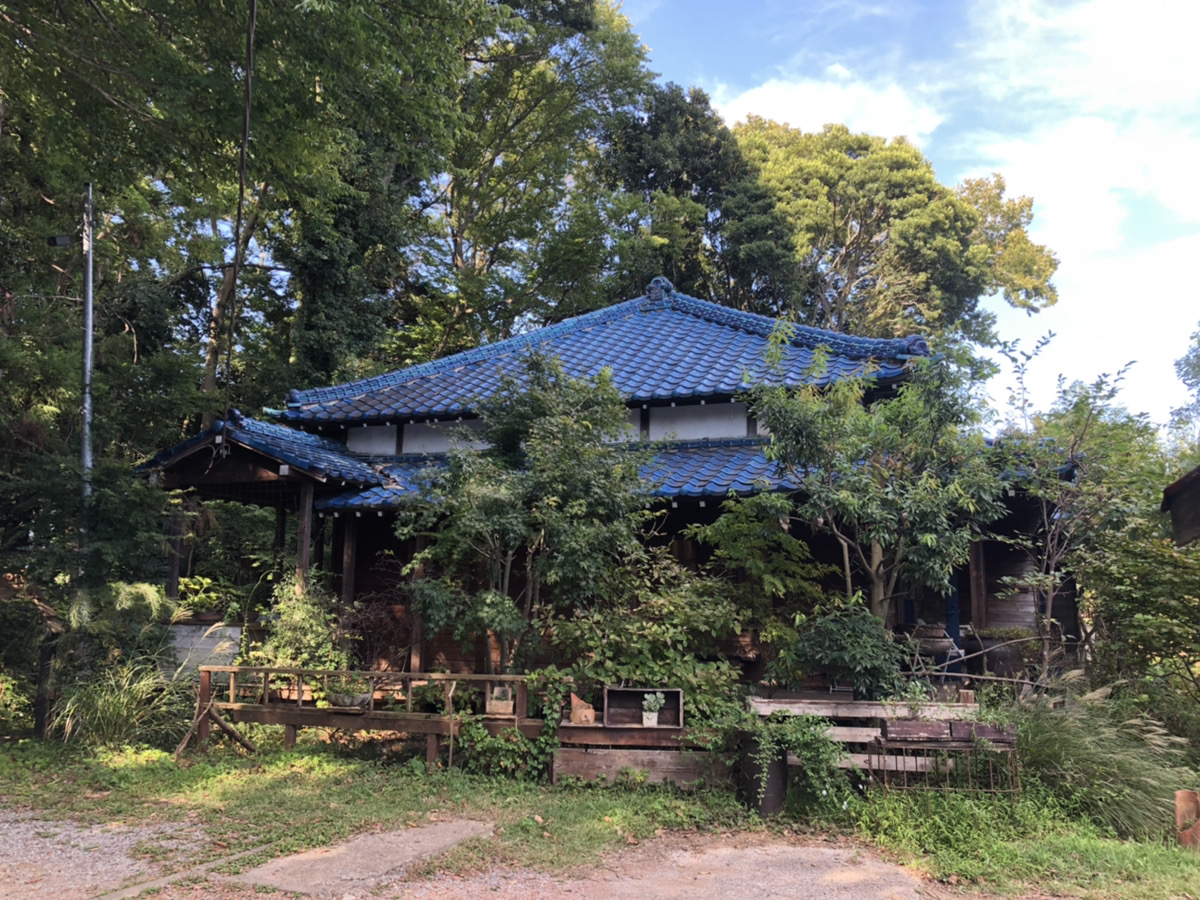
86, 448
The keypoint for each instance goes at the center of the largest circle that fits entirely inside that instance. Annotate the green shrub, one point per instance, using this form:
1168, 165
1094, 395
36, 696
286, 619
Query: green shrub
128, 704
847, 643
1119, 773
661, 628
301, 630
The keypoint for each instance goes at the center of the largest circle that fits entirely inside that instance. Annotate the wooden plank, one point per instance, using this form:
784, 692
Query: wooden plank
312, 717
971, 731
865, 709
349, 558
682, 767
914, 730
853, 734
602, 736
978, 581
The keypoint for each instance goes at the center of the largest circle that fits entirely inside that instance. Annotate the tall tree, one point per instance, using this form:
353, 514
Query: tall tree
500, 214
690, 206
904, 483
536, 522
883, 248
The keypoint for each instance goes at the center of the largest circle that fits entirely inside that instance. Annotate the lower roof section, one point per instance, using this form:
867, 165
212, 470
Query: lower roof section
677, 470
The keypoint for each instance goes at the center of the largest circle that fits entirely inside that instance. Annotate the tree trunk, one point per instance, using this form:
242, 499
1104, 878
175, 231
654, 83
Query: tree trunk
225, 309
879, 598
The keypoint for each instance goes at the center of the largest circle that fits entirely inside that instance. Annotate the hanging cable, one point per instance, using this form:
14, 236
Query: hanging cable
237, 227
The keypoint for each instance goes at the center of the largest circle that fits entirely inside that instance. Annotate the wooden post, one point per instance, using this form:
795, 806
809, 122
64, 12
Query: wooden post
289, 737
521, 704
978, 576
349, 557
204, 700
304, 530
431, 750
320, 542
1187, 818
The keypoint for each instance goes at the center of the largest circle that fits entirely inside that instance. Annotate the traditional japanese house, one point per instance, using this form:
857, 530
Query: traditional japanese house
345, 456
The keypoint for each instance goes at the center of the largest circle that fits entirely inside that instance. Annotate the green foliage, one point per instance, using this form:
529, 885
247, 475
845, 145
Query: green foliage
1099, 766
816, 773
1092, 475
771, 572
302, 629
881, 247
538, 522
903, 483
690, 206
510, 753
129, 704
659, 624
848, 644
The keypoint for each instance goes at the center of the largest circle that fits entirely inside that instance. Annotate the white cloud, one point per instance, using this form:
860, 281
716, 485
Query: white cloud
1098, 55
1116, 309
810, 104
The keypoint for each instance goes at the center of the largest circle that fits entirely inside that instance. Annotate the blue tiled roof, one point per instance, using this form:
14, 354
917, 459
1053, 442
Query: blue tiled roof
671, 348
695, 469
306, 452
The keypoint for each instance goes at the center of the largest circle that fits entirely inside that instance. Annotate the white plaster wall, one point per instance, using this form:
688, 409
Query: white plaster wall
379, 440
693, 422
434, 437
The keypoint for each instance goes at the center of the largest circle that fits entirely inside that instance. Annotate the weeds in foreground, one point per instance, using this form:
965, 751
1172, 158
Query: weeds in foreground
1119, 773
1006, 846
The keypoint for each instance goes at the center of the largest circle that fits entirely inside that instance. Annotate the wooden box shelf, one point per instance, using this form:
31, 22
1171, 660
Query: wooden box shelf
623, 707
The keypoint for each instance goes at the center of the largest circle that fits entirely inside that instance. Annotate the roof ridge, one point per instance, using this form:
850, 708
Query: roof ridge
464, 357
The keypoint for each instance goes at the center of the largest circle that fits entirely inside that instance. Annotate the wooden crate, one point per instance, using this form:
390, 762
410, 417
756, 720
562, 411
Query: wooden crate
623, 707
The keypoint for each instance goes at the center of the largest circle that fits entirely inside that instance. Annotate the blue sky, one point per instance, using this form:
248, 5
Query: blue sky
1092, 107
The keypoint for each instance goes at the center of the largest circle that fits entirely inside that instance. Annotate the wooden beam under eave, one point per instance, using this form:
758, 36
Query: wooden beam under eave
978, 578
349, 557
304, 530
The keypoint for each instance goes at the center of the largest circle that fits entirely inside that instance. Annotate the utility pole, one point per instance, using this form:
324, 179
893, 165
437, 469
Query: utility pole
85, 456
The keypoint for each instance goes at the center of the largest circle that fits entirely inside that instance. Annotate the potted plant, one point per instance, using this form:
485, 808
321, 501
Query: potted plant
348, 692
764, 744
652, 702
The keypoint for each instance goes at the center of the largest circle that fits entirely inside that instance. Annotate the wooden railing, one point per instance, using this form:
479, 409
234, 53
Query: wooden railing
297, 698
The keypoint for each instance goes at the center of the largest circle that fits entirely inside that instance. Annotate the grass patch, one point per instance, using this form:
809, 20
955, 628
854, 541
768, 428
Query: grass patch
317, 795
1027, 845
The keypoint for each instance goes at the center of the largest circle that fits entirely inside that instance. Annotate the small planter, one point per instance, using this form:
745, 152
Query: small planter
500, 703
349, 701
493, 707
650, 719
762, 784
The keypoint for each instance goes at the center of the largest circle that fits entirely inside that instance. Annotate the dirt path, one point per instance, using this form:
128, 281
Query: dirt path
42, 860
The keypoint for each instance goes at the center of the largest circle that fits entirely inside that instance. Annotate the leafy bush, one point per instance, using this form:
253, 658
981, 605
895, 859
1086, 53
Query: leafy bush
847, 643
1118, 773
129, 704
301, 629
657, 632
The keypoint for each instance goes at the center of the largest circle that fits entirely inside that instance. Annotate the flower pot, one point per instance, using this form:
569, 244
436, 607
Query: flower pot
349, 700
762, 784
650, 719
494, 707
